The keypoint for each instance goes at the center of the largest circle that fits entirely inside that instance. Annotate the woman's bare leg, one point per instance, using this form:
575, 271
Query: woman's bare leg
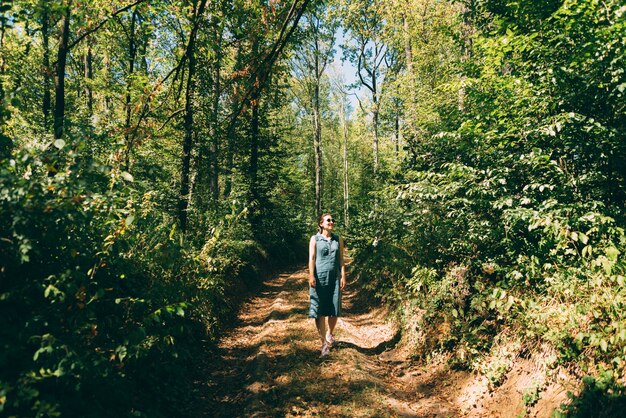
332, 323
320, 323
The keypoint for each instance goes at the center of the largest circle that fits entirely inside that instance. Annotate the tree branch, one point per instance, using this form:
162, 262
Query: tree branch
170, 117
362, 65
175, 70
259, 76
99, 25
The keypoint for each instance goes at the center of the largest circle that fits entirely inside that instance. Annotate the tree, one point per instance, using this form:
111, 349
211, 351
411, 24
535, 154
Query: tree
190, 55
340, 96
59, 91
366, 49
318, 40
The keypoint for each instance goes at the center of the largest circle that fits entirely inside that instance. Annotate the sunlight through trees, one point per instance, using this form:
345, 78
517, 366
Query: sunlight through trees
157, 156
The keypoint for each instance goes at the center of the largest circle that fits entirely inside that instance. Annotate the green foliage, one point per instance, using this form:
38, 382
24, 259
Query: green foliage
531, 396
502, 226
600, 397
507, 221
98, 287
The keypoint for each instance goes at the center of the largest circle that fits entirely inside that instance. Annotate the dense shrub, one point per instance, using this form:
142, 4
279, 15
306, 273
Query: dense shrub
104, 306
510, 218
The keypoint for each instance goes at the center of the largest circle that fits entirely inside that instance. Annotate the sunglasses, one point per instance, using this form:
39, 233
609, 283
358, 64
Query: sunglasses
330, 220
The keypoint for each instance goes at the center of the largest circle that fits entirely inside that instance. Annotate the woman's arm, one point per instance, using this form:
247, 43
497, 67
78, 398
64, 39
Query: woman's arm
312, 261
342, 265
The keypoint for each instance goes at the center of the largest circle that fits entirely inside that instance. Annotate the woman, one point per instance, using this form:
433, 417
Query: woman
327, 278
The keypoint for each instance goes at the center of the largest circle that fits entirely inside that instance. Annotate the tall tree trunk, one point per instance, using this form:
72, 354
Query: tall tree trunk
317, 147
408, 49
108, 100
132, 53
215, 126
397, 131
3, 150
230, 157
375, 116
88, 79
346, 196
185, 185
183, 202
59, 99
408, 57
254, 147
6, 143
254, 127
230, 134
47, 79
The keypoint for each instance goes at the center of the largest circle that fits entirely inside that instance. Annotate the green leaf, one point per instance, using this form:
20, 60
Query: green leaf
612, 253
583, 238
604, 345
59, 143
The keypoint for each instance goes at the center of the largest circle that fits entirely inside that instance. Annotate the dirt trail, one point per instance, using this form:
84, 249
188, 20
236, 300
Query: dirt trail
269, 365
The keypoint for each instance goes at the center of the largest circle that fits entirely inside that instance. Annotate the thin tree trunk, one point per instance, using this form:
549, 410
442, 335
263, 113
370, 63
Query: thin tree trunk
59, 99
47, 79
132, 53
254, 128
88, 79
108, 106
6, 143
185, 185
346, 196
230, 160
408, 49
375, 145
397, 131
230, 135
254, 147
215, 126
3, 150
375, 115
183, 202
317, 147
317, 121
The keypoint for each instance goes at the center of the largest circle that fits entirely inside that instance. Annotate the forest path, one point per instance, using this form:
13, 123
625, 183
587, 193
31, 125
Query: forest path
269, 364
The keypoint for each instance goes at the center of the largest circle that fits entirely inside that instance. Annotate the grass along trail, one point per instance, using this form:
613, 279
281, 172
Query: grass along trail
269, 364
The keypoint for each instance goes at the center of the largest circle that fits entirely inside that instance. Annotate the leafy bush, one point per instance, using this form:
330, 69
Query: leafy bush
105, 307
524, 191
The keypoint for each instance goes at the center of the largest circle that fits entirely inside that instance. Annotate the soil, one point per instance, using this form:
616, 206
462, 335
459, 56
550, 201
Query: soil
269, 365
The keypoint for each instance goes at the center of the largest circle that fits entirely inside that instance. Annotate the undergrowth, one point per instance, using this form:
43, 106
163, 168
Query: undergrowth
106, 306
505, 231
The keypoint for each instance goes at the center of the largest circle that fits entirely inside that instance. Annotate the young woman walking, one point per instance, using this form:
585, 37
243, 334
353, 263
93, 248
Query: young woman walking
327, 278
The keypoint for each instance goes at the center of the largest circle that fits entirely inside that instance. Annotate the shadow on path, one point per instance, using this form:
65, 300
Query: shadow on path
379, 349
268, 365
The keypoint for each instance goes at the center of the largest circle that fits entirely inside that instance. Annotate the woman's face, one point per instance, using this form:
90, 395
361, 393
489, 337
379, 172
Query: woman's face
328, 223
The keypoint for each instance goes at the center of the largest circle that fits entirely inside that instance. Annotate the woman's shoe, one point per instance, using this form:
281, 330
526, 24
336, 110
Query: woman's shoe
325, 350
330, 340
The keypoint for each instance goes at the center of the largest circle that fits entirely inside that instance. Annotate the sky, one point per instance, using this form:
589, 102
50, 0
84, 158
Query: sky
344, 69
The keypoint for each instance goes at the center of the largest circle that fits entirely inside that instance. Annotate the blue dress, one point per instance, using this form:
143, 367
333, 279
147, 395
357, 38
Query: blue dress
325, 297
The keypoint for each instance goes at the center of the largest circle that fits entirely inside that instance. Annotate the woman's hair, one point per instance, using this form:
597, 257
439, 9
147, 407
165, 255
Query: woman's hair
320, 221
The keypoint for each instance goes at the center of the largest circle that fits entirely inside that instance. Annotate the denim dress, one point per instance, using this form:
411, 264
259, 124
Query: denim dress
325, 297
